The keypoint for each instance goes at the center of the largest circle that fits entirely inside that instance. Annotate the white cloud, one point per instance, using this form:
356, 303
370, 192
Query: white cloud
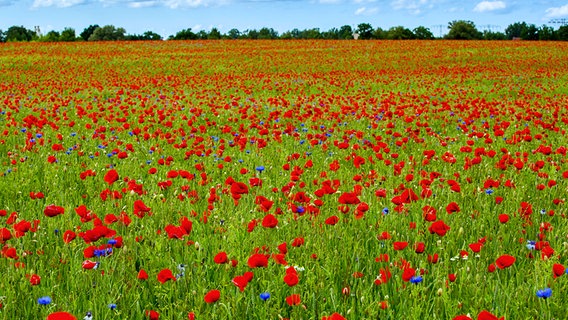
556, 12
412, 6
57, 3
143, 4
366, 11
487, 6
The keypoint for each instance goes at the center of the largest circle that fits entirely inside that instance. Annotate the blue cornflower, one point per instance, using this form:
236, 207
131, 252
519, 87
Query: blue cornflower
489, 191
39, 135
544, 293
385, 211
265, 296
112, 242
300, 209
416, 279
260, 168
23, 130
112, 306
531, 245
542, 211
44, 300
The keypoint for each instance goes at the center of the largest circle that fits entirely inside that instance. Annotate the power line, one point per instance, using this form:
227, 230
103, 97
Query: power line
561, 21
440, 28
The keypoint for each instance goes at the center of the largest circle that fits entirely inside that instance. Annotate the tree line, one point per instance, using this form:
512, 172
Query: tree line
458, 30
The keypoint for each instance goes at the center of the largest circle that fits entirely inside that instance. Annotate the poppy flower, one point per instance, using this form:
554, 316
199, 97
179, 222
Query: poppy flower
142, 275
349, 198
220, 258
241, 282
439, 228
558, 270
462, 317
140, 209
334, 316
53, 210
60, 315
298, 242
407, 274
293, 300
111, 176
164, 275
153, 315
452, 207
88, 264
257, 260
504, 261
35, 280
291, 277
419, 247
400, 245
503, 218
269, 221
212, 296
486, 315
333, 220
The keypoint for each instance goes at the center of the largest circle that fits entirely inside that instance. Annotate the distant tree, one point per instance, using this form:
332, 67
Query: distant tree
19, 33
530, 32
68, 34
399, 33
146, 36
379, 33
108, 33
514, 30
313, 33
490, 35
250, 34
292, 34
331, 34
463, 30
234, 33
345, 32
267, 33
562, 33
88, 31
365, 31
185, 34
51, 36
214, 34
2, 36
202, 35
422, 33
546, 33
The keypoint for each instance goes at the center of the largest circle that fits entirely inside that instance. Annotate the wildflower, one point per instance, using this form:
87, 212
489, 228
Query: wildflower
265, 296
112, 306
293, 300
44, 300
385, 211
212, 296
489, 192
416, 279
61, 315
544, 293
260, 169
505, 261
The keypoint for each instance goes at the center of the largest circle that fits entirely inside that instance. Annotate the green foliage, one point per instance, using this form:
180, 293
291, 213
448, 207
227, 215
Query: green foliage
562, 33
463, 30
234, 33
185, 34
267, 33
214, 34
19, 33
399, 33
423, 33
2, 36
108, 33
148, 35
68, 34
365, 31
345, 32
490, 35
51, 36
546, 33
88, 31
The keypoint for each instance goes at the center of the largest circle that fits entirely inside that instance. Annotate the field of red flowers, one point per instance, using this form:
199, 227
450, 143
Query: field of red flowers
283, 179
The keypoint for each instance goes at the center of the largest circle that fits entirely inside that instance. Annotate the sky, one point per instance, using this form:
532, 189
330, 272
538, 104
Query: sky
166, 17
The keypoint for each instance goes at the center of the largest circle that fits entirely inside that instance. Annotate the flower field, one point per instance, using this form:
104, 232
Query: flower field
284, 179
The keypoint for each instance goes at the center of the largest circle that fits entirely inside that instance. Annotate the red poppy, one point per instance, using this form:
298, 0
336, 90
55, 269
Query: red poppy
332, 220
269, 221
462, 317
452, 207
241, 282
88, 264
212, 296
293, 300
407, 274
35, 280
291, 277
334, 316
419, 247
452, 277
53, 210
140, 209
504, 261
257, 260
164, 275
142, 275
5, 235
111, 176
153, 315
220, 258
400, 245
298, 242
558, 270
475, 247
486, 315
60, 315
439, 228
349, 198
503, 218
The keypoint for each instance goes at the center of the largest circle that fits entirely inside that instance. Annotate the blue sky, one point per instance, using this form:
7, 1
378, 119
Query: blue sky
166, 17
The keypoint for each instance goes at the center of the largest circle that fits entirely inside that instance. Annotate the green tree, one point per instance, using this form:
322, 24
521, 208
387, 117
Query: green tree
546, 33
490, 35
214, 34
250, 34
463, 30
530, 32
68, 34
422, 33
515, 30
185, 34
399, 33
2, 36
379, 33
331, 34
108, 33
88, 31
562, 33
365, 31
51, 36
345, 32
267, 33
234, 33
202, 35
19, 33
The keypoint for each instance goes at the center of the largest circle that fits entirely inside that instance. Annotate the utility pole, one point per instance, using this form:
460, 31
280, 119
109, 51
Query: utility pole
439, 27
561, 21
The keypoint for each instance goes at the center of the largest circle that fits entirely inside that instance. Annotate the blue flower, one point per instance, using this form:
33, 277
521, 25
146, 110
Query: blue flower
260, 168
542, 211
112, 242
531, 245
300, 209
44, 300
265, 296
416, 279
112, 306
489, 191
385, 211
544, 293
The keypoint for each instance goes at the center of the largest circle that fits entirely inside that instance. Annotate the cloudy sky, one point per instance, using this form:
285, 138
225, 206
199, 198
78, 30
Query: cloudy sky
166, 17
